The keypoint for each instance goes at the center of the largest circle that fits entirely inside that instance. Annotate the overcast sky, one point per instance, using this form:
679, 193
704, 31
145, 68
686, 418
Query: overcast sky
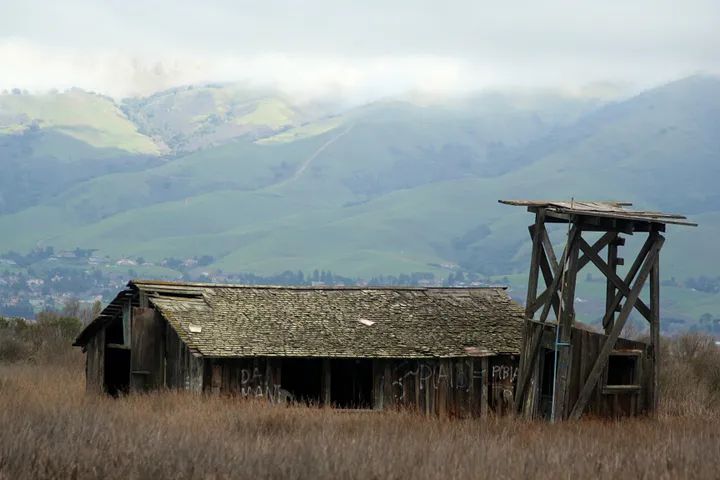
374, 47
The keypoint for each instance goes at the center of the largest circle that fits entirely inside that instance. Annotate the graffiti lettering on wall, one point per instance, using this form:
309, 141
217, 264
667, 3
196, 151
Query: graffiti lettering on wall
255, 384
465, 373
503, 372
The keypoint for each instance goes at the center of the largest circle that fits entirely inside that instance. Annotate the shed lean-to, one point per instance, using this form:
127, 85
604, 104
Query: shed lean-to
445, 351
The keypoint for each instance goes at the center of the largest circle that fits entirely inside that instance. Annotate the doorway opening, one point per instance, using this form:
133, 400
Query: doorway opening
351, 383
302, 378
117, 360
546, 382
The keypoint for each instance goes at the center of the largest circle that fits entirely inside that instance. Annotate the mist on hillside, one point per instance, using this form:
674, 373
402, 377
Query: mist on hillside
364, 52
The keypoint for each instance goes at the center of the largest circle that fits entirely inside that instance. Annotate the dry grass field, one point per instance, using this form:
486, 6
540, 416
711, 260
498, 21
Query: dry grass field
49, 428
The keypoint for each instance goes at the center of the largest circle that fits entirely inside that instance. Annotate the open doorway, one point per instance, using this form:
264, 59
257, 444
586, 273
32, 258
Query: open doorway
351, 382
117, 371
117, 360
302, 377
546, 383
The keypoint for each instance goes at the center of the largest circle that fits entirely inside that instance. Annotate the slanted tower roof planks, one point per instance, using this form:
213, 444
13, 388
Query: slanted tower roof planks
613, 218
600, 214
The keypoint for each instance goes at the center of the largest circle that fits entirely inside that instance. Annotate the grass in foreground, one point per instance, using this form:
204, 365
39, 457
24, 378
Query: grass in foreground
51, 429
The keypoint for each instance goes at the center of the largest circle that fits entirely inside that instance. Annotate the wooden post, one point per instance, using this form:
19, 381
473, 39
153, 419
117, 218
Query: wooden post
610, 286
565, 325
326, 399
533, 277
655, 328
534, 346
609, 344
484, 366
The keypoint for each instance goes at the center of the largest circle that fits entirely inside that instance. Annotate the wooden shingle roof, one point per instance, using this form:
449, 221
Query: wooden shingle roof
240, 321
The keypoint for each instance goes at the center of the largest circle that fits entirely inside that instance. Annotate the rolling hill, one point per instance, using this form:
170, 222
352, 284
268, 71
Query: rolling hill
264, 185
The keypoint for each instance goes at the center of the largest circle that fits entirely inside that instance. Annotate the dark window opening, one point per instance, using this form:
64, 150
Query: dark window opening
621, 370
302, 378
548, 373
351, 383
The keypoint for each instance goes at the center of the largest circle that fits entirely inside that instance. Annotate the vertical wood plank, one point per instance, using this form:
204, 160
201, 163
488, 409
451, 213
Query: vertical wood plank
217, 374
377, 384
126, 314
610, 290
655, 329
326, 401
196, 372
388, 400
565, 323
147, 349
95, 363
533, 278
484, 386
143, 300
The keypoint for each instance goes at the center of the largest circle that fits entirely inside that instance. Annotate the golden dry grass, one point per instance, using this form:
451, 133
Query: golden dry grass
51, 429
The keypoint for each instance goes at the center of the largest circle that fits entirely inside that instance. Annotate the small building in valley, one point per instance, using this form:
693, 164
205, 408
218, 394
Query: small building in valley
444, 351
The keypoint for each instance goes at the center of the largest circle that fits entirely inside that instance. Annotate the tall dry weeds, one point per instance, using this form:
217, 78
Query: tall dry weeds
690, 375
51, 429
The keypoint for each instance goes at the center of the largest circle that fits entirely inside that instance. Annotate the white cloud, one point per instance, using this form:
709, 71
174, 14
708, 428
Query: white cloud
369, 49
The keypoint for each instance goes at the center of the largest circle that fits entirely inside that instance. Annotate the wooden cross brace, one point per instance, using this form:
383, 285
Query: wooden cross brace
589, 254
652, 249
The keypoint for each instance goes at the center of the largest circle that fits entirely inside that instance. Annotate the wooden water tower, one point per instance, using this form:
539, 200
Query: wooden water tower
590, 372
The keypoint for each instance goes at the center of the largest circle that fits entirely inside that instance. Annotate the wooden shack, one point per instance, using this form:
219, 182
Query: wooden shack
565, 371
442, 351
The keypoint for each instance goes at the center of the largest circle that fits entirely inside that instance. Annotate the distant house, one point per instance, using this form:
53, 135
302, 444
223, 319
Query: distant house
441, 351
126, 261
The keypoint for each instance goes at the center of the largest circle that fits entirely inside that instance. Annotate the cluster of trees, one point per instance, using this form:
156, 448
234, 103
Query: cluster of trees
704, 284
291, 278
412, 279
48, 336
39, 254
707, 323
178, 264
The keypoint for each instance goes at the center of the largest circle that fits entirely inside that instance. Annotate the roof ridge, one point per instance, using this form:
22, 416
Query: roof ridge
165, 283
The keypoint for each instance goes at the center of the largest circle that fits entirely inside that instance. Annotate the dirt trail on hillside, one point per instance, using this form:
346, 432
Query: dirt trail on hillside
309, 160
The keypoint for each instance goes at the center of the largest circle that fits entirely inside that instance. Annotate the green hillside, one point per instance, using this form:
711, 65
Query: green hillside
264, 185
186, 119
93, 119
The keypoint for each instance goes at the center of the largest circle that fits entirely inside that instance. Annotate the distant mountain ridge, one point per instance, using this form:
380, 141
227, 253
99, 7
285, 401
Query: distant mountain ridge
263, 184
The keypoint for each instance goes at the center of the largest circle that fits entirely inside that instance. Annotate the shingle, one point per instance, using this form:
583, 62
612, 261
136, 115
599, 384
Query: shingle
239, 320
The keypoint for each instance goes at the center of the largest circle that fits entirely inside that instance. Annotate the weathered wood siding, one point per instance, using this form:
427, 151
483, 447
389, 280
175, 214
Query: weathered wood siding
95, 363
147, 349
584, 348
448, 387
453, 387
183, 370
247, 377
